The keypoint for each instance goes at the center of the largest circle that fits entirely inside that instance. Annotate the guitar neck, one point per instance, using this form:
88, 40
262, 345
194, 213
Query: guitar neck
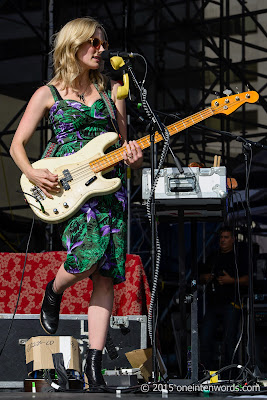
114, 157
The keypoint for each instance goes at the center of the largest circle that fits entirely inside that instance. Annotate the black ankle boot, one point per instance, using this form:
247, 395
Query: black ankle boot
49, 315
93, 368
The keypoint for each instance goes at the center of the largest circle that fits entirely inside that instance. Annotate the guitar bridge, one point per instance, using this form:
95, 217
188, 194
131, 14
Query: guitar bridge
67, 178
38, 193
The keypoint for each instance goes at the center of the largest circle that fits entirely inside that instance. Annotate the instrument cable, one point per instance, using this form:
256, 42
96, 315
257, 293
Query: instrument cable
244, 368
28, 194
20, 287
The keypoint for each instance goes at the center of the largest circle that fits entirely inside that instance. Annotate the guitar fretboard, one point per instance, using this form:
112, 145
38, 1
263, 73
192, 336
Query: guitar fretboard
114, 157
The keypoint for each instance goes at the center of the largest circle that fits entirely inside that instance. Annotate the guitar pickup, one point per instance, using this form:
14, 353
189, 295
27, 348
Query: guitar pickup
65, 184
67, 177
91, 180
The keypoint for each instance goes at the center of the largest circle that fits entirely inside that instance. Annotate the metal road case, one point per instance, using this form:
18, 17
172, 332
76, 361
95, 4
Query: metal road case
127, 333
202, 184
13, 369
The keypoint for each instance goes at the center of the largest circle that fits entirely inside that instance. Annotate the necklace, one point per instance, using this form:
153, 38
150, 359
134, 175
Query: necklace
81, 95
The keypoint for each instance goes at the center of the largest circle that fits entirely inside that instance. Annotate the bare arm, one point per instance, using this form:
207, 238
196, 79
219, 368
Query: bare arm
39, 104
133, 155
243, 280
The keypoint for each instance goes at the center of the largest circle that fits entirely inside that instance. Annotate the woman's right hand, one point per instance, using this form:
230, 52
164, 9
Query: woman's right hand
45, 180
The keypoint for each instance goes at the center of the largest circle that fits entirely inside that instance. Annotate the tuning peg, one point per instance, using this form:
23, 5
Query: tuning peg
248, 88
217, 94
237, 90
227, 92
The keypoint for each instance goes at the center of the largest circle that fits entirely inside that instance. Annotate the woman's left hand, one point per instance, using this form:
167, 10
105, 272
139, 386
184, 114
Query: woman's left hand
133, 155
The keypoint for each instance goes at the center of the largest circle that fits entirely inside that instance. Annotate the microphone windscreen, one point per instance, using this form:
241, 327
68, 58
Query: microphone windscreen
105, 55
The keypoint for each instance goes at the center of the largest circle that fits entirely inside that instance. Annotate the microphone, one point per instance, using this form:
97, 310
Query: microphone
107, 54
117, 63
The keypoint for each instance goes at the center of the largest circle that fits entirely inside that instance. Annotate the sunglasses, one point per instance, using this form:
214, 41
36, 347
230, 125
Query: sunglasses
97, 43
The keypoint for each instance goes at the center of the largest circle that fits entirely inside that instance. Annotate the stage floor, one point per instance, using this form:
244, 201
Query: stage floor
7, 394
102, 396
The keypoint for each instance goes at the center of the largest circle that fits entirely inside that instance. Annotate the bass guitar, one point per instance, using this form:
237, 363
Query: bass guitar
81, 174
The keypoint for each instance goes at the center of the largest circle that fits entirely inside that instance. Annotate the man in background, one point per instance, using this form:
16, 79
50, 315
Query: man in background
224, 275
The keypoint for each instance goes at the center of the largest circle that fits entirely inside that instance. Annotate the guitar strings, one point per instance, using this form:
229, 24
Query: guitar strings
172, 128
145, 142
107, 160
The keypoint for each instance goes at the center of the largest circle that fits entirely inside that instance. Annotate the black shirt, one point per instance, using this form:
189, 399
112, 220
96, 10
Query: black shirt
217, 263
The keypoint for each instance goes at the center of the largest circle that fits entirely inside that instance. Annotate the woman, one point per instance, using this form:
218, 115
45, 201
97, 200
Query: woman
95, 237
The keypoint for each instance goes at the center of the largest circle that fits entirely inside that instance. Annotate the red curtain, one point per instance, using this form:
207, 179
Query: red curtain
132, 297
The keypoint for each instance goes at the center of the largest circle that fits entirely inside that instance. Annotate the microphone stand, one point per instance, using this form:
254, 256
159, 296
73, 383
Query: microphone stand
160, 128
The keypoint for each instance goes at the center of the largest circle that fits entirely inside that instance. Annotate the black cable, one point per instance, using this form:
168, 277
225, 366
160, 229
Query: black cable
207, 377
248, 210
231, 202
23, 270
242, 370
28, 194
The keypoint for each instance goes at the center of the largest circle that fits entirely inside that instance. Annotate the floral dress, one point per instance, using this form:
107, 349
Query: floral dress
97, 232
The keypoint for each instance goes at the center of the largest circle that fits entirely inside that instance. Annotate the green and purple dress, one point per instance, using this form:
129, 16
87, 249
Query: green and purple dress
97, 232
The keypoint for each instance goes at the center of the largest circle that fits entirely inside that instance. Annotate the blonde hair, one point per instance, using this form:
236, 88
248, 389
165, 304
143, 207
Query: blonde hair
66, 44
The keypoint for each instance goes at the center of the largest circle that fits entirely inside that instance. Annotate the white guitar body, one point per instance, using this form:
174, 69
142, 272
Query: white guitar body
67, 202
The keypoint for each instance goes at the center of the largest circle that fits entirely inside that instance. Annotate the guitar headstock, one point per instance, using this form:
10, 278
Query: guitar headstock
227, 105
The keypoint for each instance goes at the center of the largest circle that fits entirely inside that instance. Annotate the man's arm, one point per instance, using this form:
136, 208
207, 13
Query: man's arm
226, 279
205, 278
206, 274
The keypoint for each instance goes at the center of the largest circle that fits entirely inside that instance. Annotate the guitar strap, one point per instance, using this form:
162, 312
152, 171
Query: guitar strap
105, 97
51, 148
52, 144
